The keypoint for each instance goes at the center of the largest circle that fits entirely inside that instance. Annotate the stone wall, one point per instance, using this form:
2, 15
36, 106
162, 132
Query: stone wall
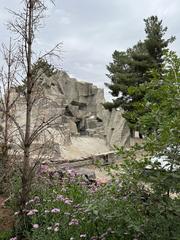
99, 159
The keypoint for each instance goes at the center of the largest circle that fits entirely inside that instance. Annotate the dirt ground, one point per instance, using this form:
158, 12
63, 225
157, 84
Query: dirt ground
6, 216
84, 147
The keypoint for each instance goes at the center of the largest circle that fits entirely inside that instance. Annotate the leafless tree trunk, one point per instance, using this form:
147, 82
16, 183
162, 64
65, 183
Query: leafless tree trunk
26, 164
7, 80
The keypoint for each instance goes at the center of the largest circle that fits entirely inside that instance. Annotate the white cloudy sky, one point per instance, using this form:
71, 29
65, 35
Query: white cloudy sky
92, 29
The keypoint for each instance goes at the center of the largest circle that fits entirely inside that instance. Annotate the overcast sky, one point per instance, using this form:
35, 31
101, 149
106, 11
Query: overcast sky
92, 29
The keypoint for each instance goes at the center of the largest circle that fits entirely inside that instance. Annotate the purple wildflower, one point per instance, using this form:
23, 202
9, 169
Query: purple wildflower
60, 198
74, 222
68, 201
35, 226
32, 212
63, 199
55, 210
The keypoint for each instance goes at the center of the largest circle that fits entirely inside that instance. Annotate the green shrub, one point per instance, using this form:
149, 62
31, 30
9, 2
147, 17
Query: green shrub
5, 235
122, 209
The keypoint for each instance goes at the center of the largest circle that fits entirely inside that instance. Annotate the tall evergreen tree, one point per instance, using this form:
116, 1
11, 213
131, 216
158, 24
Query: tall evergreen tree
132, 68
155, 42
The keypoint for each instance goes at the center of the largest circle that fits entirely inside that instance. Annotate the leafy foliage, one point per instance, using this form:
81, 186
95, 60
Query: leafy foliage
41, 66
161, 124
123, 209
133, 67
47, 68
5, 235
142, 199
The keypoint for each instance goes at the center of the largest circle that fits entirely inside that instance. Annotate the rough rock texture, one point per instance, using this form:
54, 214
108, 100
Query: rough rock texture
81, 114
116, 129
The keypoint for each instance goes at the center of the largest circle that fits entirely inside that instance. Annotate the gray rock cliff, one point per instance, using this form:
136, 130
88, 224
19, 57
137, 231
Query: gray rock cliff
80, 109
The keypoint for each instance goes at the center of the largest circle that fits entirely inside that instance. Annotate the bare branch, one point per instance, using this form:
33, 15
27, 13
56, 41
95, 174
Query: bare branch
43, 126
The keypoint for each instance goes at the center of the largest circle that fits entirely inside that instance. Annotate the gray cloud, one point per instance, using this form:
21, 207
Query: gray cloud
91, 30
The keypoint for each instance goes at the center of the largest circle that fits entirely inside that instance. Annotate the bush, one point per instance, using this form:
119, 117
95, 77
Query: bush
123, 210
4, 235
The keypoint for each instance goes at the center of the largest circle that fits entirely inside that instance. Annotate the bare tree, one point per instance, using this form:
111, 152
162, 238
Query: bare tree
7, 83
26, 23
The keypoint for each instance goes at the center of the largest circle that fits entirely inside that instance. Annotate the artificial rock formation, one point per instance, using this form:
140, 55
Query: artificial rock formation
81, 116
83, 112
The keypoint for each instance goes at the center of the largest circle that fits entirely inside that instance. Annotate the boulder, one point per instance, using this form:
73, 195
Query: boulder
116, 129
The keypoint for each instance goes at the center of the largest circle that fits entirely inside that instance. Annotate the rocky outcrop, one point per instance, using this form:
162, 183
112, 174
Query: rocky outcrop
116, 129
80, 110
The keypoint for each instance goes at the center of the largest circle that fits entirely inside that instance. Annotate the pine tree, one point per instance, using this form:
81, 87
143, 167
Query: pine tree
121, 76
155, 42
132, 68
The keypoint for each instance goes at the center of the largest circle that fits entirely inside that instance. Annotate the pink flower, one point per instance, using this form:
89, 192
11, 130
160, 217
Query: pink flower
14, 238
63, 199
35, 226
73, 222
82, 235
32, 212
60, 198
68, 201
55, 210
71, 173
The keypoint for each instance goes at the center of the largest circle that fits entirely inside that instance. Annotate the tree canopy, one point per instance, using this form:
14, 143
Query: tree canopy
132, 67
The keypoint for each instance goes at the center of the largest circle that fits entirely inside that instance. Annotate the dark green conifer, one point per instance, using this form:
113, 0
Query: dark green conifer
132, 68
